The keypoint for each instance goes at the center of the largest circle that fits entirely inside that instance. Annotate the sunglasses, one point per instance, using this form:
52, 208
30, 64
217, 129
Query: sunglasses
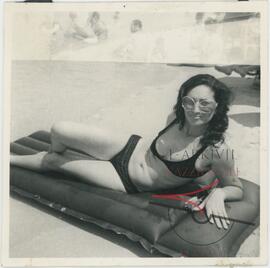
206, 106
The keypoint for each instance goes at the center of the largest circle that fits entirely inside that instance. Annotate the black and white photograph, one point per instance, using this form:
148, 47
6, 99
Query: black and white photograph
136, 132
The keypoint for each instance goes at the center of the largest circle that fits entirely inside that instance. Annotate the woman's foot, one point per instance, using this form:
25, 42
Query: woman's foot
34, 161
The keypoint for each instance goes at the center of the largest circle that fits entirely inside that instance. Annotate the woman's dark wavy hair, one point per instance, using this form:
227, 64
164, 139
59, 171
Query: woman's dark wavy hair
219, 123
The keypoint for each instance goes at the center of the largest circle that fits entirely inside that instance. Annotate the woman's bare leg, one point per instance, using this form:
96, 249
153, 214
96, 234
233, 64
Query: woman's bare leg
96, 143
33, 161
93, 141
38, 161
100, 173
102, 143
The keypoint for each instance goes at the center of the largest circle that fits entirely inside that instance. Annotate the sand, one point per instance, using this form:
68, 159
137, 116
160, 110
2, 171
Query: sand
139, 96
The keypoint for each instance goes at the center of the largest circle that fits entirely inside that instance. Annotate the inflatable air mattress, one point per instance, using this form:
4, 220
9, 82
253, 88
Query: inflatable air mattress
163, 225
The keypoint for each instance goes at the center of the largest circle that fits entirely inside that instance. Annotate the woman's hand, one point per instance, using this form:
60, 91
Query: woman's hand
215, 208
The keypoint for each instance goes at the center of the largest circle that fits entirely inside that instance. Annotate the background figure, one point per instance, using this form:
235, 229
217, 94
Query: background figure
76, 30
97, 25
136, 26
138, 45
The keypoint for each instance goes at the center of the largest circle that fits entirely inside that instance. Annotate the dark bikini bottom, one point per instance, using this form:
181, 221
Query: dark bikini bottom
120, 162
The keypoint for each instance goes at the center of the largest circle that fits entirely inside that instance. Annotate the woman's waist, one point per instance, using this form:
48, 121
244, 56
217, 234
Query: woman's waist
138, 168
148, 173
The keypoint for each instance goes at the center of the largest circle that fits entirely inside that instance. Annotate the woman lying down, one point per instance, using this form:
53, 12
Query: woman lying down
191, 147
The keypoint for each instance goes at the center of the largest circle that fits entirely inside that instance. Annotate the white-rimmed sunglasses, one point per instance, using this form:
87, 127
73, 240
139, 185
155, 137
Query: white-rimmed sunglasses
206, 106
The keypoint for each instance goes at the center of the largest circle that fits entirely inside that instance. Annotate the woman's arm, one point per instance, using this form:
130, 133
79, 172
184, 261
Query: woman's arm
223, 165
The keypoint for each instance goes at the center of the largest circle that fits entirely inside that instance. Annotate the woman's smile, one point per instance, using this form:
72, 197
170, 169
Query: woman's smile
196, 117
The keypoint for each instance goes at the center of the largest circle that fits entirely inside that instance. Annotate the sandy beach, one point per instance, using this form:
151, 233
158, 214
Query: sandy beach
130, 97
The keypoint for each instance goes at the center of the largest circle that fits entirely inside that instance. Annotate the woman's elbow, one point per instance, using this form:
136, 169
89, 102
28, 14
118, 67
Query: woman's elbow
239, 186
241, 193
238, 192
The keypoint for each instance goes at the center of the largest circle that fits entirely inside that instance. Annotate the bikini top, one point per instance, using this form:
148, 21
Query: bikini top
185, 168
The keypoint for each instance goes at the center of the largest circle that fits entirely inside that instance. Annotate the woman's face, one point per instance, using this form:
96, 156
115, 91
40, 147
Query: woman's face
199, 105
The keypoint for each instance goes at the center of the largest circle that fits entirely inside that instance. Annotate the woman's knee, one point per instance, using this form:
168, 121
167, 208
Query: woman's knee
59, 133
60, 128
53, 161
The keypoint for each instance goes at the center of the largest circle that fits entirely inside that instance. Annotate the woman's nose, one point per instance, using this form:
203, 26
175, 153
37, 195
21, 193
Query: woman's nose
196, 108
